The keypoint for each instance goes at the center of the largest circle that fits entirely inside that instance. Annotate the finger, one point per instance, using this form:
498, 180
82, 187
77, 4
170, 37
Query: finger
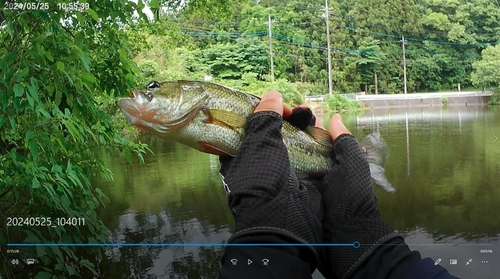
271, 101
287, 111
300, 106
319, 124
337, 127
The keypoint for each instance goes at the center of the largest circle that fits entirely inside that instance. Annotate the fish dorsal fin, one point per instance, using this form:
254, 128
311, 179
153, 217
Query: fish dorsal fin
321, 136
227, 118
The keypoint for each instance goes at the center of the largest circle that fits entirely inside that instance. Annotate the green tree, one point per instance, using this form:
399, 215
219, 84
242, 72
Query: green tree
196, 9
149, 68
367, 60
443, 38
56, 67
486, 71
231, 61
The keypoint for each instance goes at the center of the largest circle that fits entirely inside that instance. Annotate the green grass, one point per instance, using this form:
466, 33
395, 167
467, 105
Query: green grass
341, 103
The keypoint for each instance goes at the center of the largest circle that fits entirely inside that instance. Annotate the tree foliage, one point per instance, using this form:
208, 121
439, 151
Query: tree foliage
54, 64
443, 39
231, 61
487, 72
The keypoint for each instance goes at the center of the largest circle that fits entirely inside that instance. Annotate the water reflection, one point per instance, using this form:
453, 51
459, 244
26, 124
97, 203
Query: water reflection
451, 165
443, 164
175, 197
407, 146
422, 115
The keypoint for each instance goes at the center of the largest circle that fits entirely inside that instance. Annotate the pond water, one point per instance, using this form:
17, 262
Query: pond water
444, 165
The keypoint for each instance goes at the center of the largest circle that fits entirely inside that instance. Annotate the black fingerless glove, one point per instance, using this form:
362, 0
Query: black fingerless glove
264, 196
351, 215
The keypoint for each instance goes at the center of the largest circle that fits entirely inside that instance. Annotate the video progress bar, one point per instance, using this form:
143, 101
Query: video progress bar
355, 244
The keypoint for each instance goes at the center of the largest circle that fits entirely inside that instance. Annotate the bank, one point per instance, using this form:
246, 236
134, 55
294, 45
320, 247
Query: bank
425, 99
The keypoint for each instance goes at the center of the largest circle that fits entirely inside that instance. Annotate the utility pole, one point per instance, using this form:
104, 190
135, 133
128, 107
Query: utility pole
270, 46
330, 86
403, 43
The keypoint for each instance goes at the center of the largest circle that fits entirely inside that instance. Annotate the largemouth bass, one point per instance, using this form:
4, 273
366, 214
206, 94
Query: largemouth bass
211, 118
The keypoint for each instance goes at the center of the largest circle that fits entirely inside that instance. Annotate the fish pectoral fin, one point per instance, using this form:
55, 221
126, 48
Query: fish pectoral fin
212, 149
321, 136
226, 118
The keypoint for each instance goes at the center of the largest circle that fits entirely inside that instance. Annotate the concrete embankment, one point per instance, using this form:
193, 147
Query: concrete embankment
425, 99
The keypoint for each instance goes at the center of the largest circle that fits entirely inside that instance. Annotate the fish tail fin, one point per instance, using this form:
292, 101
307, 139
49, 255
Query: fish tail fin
376, 152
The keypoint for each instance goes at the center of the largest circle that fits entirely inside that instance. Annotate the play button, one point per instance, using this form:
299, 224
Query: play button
249, 261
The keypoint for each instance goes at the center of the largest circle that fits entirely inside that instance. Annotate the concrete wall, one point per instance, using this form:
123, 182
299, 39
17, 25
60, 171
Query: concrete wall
452, 101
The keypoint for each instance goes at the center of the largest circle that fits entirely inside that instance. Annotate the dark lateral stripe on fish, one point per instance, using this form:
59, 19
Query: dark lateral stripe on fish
212, 149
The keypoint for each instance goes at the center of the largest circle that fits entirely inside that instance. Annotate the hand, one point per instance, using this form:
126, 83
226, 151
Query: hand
265, 196
351, 213
337, 127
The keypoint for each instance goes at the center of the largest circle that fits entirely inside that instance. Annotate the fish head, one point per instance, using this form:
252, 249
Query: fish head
162, 108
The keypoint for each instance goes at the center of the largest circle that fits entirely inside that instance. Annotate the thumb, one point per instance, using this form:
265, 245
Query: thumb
271, 101
337, 127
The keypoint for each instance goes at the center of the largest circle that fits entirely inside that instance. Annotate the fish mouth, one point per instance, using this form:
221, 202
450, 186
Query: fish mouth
138, 111
133, 113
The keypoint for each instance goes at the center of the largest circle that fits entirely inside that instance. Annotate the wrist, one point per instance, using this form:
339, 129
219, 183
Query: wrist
259, 114
342, 137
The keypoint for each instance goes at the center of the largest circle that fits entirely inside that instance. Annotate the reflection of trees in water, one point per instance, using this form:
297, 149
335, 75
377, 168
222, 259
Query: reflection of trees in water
452, 190
178, 178
175, 197
158, 262
205, 265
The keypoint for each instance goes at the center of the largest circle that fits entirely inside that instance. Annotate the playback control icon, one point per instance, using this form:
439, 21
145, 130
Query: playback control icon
249, 261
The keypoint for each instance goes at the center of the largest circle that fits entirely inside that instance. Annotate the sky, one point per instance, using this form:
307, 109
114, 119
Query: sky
146, 10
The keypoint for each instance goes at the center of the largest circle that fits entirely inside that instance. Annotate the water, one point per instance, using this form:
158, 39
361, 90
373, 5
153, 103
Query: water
444, 165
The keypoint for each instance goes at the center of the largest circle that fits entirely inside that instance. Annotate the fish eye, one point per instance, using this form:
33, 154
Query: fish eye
153, 85
150, 88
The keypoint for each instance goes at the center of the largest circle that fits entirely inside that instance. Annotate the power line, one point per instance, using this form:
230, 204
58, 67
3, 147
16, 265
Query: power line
279, 36
464, 62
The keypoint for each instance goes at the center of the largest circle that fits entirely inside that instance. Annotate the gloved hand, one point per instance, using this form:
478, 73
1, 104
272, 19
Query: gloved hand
264, 195
351, 215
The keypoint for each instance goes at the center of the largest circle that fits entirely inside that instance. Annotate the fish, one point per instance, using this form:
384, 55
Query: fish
211, 118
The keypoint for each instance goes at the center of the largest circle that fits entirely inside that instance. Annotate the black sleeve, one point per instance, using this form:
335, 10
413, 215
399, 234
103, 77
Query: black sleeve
264, 261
